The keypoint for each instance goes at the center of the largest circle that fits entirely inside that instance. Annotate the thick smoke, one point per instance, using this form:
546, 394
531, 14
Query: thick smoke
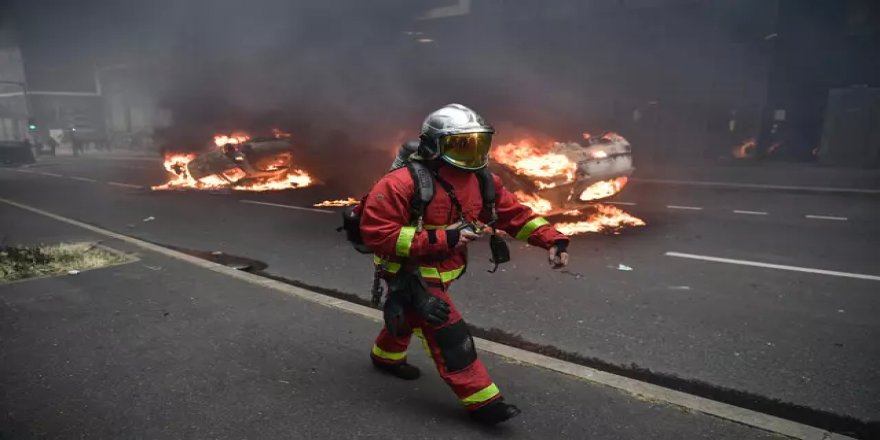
350, 79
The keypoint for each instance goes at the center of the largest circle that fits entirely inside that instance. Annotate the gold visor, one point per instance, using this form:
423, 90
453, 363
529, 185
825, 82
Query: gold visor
469, 151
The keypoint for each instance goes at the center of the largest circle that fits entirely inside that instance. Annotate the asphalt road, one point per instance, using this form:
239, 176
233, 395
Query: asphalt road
800, 337
159, 348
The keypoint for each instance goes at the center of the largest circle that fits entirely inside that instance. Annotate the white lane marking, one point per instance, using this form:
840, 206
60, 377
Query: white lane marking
650, 391
299, 208
826, 217
689, 208
49, 174
83, 179
621, 203
739, 211
22, 170
774, 266
759, 186
124, 185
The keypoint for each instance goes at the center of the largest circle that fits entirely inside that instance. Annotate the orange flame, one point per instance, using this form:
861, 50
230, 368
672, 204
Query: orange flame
235, 138
746, 149
536, 162
603, 189
351, 201
607, 218
539, 205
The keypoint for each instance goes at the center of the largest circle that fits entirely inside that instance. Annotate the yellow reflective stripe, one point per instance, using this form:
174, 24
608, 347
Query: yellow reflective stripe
444, 277
530, 227
427, 272
389, 266
404, 240
482, 395
436, 227
378, 352
418, 332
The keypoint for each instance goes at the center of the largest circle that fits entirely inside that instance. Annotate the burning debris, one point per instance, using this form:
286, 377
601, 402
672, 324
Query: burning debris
606, 218
238, 163
351, 201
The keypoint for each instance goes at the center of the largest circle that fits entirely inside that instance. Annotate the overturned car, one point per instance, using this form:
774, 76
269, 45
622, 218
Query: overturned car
564, 176
238, 163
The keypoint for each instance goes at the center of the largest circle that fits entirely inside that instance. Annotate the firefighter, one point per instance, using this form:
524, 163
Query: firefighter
454, 145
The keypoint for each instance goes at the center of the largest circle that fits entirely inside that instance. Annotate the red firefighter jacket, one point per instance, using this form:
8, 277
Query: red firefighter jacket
388, 230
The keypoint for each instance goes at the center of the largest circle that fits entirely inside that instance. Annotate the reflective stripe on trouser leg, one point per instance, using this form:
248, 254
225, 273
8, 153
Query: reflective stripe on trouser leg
389, 349
455, 359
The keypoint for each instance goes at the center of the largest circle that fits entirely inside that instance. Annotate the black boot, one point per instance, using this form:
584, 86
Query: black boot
404, 371
495, 413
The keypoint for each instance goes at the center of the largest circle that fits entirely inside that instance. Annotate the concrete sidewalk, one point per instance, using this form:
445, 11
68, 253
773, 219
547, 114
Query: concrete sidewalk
159, 348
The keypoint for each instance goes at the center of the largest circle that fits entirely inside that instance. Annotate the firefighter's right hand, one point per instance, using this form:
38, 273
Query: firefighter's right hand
433, 309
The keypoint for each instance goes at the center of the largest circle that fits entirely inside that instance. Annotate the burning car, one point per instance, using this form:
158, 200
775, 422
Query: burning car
237, 162
564, 176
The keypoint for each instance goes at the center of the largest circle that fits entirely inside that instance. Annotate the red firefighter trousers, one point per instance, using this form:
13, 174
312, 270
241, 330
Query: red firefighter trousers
450, 347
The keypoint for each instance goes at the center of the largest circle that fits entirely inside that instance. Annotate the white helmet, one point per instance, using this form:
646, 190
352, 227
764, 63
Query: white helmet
458, 135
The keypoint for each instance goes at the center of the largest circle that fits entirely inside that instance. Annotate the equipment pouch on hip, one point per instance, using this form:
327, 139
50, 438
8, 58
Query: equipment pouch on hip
411, 288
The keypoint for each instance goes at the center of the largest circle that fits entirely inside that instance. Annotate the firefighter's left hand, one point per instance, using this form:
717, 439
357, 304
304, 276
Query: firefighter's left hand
558, 259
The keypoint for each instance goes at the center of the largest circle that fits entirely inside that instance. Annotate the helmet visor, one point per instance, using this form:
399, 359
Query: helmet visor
469, 151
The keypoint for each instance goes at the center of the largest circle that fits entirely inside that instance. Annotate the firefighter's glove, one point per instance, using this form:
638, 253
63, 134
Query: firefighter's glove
433, 309
558, 254
460, 234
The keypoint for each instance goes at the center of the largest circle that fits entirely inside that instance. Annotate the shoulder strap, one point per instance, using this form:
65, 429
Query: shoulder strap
487, 191
424, 190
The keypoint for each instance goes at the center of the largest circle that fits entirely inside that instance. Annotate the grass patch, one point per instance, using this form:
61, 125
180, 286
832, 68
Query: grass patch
20, 262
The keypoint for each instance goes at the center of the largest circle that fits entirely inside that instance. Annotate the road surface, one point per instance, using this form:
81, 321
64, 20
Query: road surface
750, 294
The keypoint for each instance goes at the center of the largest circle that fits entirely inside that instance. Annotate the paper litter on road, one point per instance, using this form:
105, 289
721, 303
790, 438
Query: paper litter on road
623, 267
149, 219
72, 272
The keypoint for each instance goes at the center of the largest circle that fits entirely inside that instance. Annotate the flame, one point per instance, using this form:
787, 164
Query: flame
745, 150
603, 189
351, 201
235, 139
539, 205
536, 162
607, 218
